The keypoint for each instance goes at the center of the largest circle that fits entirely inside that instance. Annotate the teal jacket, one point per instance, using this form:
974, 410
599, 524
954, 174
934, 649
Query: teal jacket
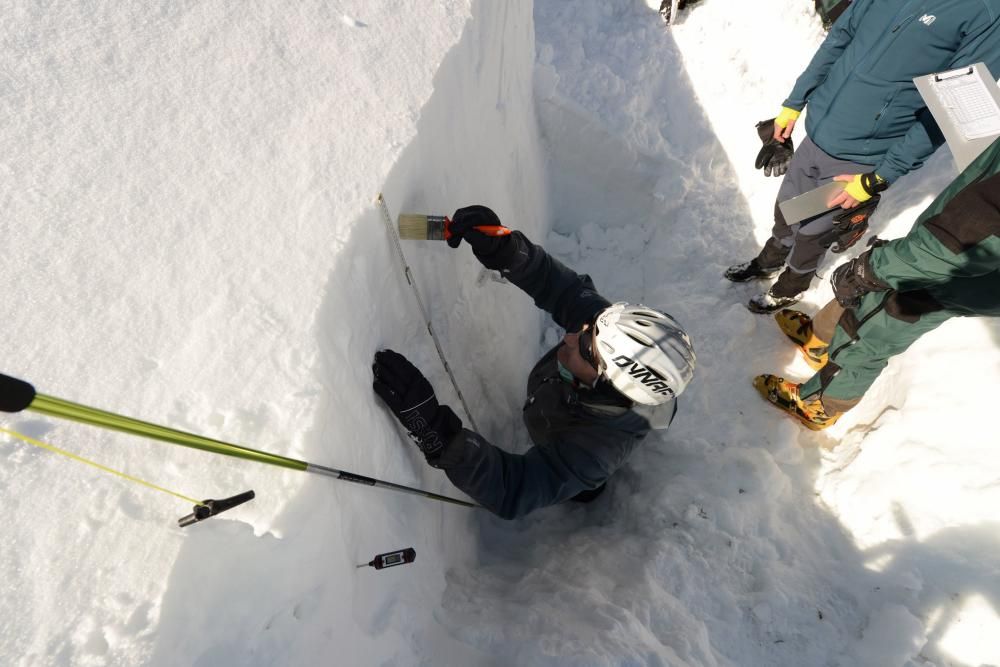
863, 105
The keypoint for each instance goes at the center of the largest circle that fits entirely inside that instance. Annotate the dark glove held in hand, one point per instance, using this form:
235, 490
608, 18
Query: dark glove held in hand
853, 280
774, 156
411, 399
850, 225
493, 252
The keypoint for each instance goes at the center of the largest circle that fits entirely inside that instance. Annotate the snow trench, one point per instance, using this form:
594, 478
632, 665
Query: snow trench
220, 166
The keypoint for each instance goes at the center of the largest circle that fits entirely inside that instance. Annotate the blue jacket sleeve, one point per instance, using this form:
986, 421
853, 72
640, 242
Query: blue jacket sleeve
512, 485
910, 152
840, 35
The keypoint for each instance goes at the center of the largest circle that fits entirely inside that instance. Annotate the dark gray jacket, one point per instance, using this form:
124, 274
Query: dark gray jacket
581, 436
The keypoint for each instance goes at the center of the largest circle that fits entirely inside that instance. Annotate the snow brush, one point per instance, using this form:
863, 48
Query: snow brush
420, 227
17, 395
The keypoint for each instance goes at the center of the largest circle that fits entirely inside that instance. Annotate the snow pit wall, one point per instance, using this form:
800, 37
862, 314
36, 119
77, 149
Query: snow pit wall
193, 196
475, 141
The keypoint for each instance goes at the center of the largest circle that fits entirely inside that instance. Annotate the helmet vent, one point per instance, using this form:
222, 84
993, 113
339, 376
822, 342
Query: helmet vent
642, 341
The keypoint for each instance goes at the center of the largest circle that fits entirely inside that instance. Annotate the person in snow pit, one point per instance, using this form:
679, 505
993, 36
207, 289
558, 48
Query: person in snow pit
591, 399
867, 125
891, 295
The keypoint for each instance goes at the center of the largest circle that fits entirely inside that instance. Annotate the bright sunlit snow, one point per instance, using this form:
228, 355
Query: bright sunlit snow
191, 238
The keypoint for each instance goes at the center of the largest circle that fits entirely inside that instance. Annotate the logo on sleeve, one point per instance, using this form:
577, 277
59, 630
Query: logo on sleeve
928, 19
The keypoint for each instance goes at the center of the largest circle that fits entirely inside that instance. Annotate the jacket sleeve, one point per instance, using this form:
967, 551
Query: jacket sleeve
909, 153
840, 35
512, 485
569, 297
961, 241
981, 44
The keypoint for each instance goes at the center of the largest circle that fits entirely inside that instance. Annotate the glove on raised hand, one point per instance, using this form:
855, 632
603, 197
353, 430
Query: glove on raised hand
411, 399
493, 252
851, 281
775, 155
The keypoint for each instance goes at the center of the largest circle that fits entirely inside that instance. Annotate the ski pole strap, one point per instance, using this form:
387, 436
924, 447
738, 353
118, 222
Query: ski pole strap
77, 457
57, 407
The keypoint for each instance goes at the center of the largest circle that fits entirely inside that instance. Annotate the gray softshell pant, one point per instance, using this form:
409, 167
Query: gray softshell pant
802, 245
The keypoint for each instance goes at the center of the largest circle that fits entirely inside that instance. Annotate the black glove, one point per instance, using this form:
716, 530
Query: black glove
493, 252
411, 399
853, 280
850, 225
775, 155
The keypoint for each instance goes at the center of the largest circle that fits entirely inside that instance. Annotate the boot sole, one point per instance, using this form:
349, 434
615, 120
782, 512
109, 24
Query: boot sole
761, 276
764, 310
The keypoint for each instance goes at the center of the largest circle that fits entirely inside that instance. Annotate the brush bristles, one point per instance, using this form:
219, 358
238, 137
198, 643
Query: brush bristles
420, 227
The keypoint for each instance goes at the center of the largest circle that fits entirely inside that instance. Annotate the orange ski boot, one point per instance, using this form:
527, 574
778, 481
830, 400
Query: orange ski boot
784, 395
799, 329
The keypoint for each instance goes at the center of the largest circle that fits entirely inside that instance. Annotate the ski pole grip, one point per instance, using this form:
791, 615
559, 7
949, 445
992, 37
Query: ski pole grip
210, 508
15, 395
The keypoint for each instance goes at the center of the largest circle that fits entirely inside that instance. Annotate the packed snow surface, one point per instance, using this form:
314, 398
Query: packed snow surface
191, 238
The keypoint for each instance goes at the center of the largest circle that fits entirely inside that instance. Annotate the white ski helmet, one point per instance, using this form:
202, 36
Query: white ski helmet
644, 353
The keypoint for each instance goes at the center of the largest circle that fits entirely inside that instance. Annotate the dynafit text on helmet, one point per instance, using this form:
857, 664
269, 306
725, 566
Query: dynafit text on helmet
590, 401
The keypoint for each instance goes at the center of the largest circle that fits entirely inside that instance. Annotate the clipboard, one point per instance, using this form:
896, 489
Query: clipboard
812, 203
966, 105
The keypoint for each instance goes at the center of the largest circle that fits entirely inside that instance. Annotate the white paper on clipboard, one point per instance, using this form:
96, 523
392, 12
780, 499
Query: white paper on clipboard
957, 125
968, 102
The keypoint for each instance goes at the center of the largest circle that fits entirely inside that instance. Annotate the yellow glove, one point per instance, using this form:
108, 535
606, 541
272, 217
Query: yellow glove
863, 186
786, 115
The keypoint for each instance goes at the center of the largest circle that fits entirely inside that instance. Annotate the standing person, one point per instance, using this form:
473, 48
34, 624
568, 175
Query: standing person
591, 399
867, 124
830, 10
888, 297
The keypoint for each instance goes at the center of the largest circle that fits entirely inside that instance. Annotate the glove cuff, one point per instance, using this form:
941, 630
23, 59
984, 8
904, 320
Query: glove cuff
439, 432
765, 130
500, 256
866, 274
873, 183
453, 452
856, 189
786, 116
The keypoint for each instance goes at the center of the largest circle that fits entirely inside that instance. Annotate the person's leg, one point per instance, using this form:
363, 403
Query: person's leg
811, 238
811, 335
798, 179
825, 321
865, 339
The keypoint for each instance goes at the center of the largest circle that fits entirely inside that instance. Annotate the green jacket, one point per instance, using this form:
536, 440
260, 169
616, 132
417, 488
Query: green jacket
947, 266
953, 250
